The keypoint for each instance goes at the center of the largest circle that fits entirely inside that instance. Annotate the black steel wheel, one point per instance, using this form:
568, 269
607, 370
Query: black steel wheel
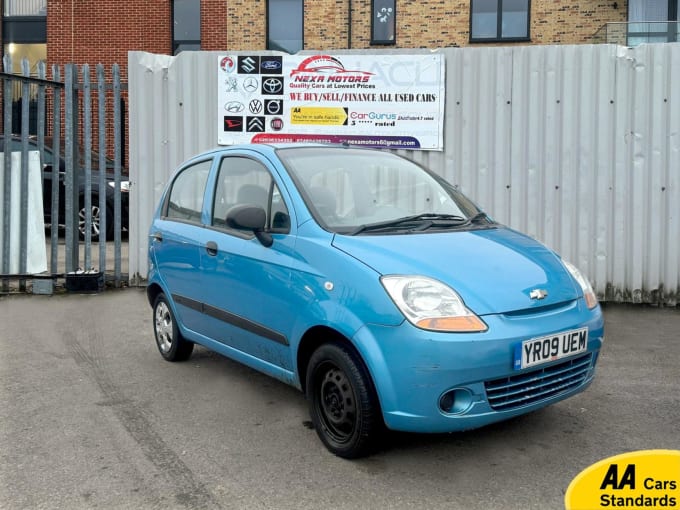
343, 404
171, 344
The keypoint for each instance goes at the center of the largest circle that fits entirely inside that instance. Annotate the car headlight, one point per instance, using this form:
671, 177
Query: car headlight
588, 293
124, 186
429, 304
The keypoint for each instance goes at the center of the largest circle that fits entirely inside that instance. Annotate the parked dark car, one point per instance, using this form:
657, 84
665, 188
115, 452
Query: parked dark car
48, 162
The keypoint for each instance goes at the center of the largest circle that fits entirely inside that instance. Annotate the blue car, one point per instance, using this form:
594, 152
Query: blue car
371, 284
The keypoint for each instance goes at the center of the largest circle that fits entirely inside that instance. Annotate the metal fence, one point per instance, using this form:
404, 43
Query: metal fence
78, 191
578, 146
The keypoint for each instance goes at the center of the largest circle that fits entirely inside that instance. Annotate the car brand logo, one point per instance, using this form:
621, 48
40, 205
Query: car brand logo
233, 123
234, 107
250, 84
276, 124
272, 65
538, 294
231, 84
255, 124
255, 106
227, 64
273, 106
272, 85
247, 64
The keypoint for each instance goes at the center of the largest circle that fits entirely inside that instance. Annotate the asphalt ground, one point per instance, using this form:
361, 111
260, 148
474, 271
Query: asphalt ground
92, 417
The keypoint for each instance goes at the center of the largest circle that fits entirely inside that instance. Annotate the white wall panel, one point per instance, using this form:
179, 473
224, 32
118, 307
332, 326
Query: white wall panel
578, 146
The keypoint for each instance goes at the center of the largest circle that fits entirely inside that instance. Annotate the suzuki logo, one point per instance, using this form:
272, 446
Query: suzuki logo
248, 64
538, 294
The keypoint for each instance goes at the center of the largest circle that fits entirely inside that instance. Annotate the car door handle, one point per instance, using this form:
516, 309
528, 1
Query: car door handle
157, 236
211, 248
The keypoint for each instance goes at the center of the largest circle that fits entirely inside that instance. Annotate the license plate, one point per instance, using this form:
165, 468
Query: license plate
545, 349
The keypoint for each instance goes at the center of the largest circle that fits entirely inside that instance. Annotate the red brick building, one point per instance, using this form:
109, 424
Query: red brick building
90, 31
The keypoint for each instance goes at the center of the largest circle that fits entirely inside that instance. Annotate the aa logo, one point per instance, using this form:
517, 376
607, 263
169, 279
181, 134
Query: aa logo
644, 479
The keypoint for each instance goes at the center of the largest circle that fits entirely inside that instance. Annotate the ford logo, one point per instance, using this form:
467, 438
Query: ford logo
271, 65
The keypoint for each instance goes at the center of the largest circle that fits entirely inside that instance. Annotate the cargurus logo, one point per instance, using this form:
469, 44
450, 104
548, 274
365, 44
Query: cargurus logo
373, 116
642, 479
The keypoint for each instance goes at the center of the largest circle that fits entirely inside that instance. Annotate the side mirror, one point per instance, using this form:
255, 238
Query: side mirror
250, 217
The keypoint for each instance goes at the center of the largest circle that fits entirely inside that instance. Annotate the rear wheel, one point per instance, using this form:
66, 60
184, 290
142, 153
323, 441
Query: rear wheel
343, 404
171, 344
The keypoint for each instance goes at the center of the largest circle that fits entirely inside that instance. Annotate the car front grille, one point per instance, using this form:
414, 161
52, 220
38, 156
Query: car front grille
529, 387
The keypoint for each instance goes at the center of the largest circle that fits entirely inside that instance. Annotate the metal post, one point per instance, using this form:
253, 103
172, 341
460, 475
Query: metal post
7, 94
103, 215
117, 226
71, 175
56, 140
87, 151
23, 190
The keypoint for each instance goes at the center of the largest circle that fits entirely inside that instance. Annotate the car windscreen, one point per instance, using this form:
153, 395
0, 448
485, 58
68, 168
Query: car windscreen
352, 190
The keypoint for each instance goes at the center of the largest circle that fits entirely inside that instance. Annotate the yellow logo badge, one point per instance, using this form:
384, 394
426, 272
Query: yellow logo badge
643, 479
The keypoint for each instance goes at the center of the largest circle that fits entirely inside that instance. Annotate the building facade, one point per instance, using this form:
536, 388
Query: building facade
89, 31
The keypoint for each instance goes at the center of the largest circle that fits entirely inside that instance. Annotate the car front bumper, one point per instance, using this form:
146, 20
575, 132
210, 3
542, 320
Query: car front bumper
444, 382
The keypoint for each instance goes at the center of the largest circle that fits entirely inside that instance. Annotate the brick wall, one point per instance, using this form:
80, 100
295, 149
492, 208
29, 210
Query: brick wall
92, 31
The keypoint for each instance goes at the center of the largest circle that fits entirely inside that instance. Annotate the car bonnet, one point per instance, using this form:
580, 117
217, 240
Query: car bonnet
493, 270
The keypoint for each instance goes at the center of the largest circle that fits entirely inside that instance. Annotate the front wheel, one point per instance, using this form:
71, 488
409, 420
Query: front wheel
171, 344
343, 404
95, 226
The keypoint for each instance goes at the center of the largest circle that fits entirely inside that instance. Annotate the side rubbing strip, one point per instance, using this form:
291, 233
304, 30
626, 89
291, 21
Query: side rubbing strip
230, 318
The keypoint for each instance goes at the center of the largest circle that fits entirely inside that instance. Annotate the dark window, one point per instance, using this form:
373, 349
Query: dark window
383, 22
244, 181
25, 8
652, 21
284, 25
185, 201
186, 25
499, 20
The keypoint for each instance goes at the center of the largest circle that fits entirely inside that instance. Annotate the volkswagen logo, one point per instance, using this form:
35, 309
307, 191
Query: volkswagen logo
250, 84
234, 107
255, 106
272, 86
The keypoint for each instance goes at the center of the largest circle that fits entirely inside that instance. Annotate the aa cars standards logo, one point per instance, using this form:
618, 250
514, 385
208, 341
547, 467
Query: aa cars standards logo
643, 479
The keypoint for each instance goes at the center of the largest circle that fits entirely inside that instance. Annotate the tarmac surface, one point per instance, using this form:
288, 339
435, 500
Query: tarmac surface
92, 417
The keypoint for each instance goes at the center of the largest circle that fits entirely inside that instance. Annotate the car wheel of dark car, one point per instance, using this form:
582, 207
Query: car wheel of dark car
343, 404
170, 342
96, 219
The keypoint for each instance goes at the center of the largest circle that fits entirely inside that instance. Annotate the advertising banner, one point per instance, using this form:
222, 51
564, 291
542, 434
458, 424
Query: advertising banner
385, 101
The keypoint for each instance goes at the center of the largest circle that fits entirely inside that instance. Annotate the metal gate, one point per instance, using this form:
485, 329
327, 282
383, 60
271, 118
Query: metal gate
63, 183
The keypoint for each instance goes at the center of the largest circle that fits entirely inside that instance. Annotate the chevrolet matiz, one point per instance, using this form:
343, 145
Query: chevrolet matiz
371, 284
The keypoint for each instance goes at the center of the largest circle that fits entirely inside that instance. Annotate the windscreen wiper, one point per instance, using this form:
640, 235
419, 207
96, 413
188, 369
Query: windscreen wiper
429, 218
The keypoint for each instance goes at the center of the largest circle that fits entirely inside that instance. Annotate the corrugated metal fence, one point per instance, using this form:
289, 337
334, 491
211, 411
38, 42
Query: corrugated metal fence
578, 146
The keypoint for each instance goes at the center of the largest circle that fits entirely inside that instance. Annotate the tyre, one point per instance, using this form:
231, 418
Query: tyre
96, 219
171, 344
342, 401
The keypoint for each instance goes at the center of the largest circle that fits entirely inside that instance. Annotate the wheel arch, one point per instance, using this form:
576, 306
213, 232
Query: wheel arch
317, 336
